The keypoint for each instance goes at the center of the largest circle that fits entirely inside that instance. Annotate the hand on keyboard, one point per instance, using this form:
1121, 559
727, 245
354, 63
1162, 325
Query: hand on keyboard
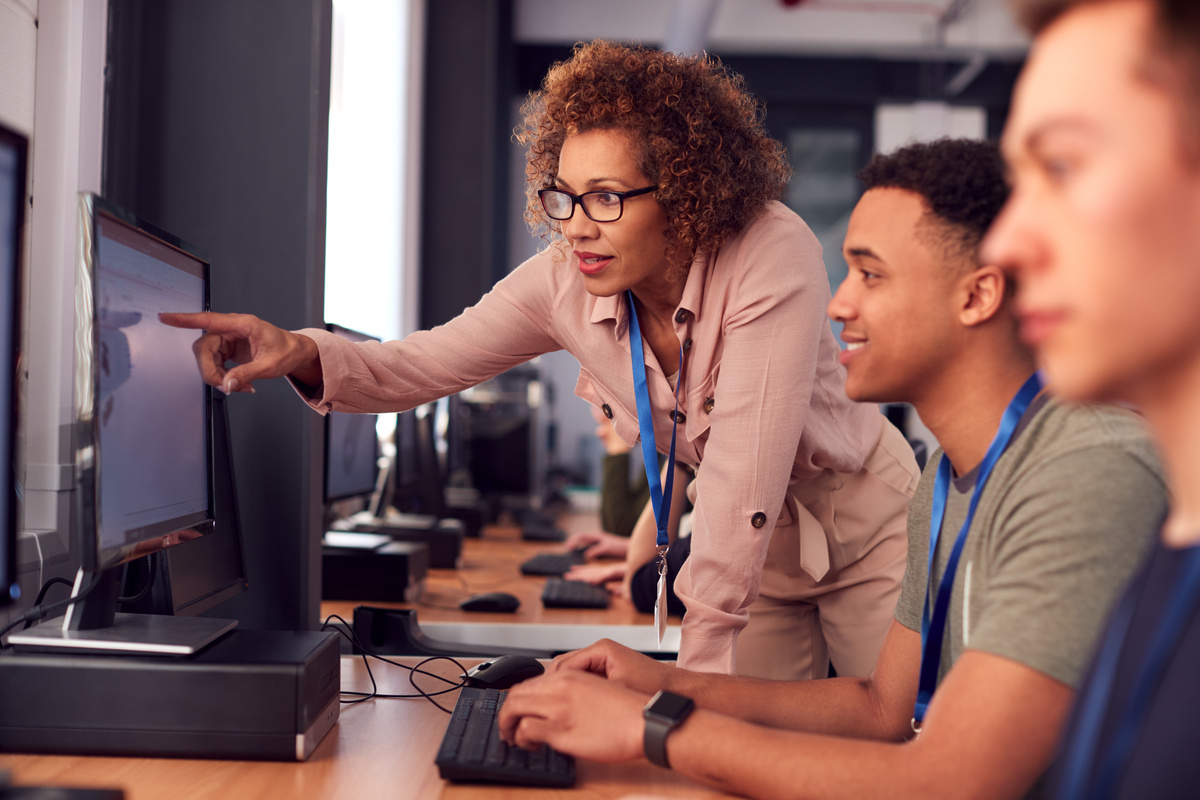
575, 713
598, 574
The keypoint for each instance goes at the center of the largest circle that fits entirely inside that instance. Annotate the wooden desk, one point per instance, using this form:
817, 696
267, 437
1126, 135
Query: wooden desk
492, 563
382, 748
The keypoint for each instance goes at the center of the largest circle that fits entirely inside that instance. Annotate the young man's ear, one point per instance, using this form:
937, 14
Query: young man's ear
983, 292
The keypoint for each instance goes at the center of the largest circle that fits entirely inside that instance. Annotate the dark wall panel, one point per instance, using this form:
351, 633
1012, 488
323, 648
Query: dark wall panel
469, 64
217, 131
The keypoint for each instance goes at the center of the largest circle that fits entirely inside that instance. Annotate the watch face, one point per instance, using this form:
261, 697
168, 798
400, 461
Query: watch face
670, 706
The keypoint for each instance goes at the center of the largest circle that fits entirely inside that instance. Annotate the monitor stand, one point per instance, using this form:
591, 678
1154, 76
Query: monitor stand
92, 625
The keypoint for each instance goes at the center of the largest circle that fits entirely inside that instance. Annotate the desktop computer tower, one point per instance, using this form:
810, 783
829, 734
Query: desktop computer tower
264, 695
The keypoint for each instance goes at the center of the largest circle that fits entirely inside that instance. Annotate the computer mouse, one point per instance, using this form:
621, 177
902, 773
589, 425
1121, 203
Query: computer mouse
503, 672
501, 602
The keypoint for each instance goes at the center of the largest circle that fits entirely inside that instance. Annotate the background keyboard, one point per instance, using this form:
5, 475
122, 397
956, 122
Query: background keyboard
473, 751
553, 563
559, 593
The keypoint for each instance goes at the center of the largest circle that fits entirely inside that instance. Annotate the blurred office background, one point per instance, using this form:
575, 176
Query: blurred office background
351, 161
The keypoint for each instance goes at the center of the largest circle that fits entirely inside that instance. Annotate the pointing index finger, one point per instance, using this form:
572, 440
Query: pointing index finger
201, 320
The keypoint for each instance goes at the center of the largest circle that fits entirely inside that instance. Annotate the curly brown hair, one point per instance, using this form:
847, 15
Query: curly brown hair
700, 135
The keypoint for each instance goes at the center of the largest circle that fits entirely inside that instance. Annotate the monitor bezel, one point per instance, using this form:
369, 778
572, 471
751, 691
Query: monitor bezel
8, 580
94, 557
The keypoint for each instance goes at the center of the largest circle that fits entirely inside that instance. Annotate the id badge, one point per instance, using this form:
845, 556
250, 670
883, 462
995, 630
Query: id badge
660, 601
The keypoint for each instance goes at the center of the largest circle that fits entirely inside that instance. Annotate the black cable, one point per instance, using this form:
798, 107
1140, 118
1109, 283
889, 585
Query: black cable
151, 567
360, 697
40, 612
46, 587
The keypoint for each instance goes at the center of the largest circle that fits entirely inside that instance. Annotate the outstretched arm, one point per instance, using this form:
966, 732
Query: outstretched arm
260, 349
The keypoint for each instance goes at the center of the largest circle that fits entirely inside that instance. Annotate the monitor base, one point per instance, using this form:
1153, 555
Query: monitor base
144, 634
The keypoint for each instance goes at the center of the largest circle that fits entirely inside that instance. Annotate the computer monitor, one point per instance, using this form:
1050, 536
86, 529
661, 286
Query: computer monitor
143, 457
406, 466
198, 575
13, 149
417, 473
351, 444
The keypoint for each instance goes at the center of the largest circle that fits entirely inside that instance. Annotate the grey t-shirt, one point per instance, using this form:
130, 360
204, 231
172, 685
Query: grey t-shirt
1066, 517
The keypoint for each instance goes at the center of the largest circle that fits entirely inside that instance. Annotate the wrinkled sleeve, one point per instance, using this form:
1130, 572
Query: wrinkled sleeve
510, 325
771, 338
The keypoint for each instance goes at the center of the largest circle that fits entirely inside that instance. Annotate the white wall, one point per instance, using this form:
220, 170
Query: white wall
366, 217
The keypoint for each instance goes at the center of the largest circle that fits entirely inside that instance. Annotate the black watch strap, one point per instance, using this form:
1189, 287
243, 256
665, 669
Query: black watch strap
664, 713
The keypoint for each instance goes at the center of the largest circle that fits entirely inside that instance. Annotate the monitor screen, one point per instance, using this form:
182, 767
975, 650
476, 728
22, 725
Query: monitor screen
12, 215
151, 417
351, 445
200, 574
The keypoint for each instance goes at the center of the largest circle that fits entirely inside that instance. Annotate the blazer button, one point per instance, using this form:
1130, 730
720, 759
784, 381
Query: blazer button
708, 405
681, 316
607, 411
678, 416
759, 519
687, 344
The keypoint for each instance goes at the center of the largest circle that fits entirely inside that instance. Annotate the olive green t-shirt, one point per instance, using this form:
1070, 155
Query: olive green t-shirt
1066, 516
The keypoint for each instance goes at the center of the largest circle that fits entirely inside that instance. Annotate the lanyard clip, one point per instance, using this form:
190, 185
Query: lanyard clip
662, 560
916, 727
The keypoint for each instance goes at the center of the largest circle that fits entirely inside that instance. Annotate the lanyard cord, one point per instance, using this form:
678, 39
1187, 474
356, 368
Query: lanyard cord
1094, 702
933, 627
660, 498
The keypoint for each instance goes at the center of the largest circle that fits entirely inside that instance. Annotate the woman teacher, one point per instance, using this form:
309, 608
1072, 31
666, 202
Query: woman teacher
656, 188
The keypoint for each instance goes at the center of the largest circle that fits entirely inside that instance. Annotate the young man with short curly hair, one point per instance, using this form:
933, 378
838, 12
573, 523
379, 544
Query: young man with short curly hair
1063, 512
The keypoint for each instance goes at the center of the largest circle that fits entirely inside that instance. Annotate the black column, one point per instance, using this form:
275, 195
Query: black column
469, 69
216, 129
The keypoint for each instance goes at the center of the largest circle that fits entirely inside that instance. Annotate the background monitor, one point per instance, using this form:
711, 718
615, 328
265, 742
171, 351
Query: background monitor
144, 451
406, 466
351, 444
13, 149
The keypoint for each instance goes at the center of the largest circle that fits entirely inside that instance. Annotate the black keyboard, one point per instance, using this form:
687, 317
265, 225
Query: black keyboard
542, 532
472, 749
553, 563
560, 593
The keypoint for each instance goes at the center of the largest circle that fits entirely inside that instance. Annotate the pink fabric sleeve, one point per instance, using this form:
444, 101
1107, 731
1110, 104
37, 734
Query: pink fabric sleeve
508, 326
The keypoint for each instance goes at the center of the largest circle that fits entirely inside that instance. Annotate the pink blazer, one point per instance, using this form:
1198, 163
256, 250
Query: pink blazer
764, 410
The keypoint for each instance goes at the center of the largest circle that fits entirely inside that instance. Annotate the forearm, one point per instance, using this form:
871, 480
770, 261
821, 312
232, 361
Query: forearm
769, 763
642, 542
836, 706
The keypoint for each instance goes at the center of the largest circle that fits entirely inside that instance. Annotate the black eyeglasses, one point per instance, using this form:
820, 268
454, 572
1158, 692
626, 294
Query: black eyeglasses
602, 206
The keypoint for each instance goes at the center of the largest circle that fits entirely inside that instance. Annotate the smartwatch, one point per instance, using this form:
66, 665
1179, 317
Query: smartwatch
664, 713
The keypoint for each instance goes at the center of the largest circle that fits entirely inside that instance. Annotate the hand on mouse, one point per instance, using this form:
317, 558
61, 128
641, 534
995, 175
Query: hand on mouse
618, 663
577, 714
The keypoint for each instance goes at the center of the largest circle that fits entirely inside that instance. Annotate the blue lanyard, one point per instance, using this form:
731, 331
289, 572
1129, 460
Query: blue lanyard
1082, 748
659, 497
933, 627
